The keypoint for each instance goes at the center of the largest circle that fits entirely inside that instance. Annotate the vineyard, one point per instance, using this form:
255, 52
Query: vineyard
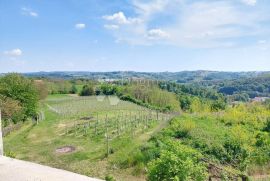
79, 130
107, 117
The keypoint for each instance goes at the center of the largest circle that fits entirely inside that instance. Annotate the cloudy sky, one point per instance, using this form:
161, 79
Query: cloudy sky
139, 35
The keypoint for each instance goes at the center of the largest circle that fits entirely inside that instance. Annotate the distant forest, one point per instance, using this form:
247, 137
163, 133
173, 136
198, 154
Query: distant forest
236, 86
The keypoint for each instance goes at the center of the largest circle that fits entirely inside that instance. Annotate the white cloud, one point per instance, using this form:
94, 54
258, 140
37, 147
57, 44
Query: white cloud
29, 12
120, 18
111, 26
80, 26
147, 9
197, 24
157, 34
13, 53
250, 2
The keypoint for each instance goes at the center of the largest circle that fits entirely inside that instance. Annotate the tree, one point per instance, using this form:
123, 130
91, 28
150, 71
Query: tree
87, 90
41, 88
21, 89
74, 89
185, 102
218, 105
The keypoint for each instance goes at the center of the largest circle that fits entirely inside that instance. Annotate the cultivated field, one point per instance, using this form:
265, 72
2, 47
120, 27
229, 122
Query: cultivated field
88, 135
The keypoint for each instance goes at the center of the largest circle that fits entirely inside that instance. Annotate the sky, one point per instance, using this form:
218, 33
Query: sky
135, 35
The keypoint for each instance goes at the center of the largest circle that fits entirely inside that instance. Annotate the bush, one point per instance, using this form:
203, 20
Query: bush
110, 178
182, 128
267, 126
177, 163
218, 105
10, 154
87, 90
73, 90
236, 154
261, 155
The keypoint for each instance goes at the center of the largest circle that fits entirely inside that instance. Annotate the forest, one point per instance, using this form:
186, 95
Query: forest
155, 129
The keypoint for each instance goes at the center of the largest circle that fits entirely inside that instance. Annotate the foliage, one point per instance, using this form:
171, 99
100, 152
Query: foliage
42, 89
74, 89
22, 90
108, 89
236, 154
109, 178
253, 87
261, 155
87, 90
178, 162
185, 102
267, 126
181, 128
11, 109
10, 154
240, 145
153, 96
59, 86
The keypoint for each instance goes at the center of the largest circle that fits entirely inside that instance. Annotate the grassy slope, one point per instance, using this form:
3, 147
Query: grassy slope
209, 132
38, 143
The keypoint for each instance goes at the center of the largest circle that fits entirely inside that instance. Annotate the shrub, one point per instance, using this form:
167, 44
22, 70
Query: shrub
267, 126
182, 128
87, 90
10, 154
73, 90
109, 178
177, 163
261, 155
236, 154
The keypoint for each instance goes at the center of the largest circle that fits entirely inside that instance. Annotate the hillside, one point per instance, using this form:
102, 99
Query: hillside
180, 77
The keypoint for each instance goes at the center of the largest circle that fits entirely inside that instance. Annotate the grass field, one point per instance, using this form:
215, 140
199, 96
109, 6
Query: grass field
89, 124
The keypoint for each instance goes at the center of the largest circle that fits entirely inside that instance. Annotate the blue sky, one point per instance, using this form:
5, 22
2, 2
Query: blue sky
154, 35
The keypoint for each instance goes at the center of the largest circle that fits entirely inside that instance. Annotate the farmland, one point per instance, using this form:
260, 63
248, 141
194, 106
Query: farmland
102, 132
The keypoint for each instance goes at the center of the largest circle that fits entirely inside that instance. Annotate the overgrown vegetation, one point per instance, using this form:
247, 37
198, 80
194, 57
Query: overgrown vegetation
18, 98
237, 140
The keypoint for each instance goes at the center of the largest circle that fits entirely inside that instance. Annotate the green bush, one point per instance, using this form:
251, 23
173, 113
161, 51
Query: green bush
10, 154
261, 155
182, 128
110, 178
236, 154
267, 126
178, 162
87, 90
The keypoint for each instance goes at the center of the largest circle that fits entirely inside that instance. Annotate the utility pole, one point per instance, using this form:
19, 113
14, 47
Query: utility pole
1, 138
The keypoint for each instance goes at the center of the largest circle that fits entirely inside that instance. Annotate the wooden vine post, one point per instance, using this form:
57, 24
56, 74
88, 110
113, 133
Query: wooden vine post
118, 126
96, 131
107, 136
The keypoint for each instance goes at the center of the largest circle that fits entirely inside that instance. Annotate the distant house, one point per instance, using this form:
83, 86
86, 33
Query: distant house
107, 80
259, 99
